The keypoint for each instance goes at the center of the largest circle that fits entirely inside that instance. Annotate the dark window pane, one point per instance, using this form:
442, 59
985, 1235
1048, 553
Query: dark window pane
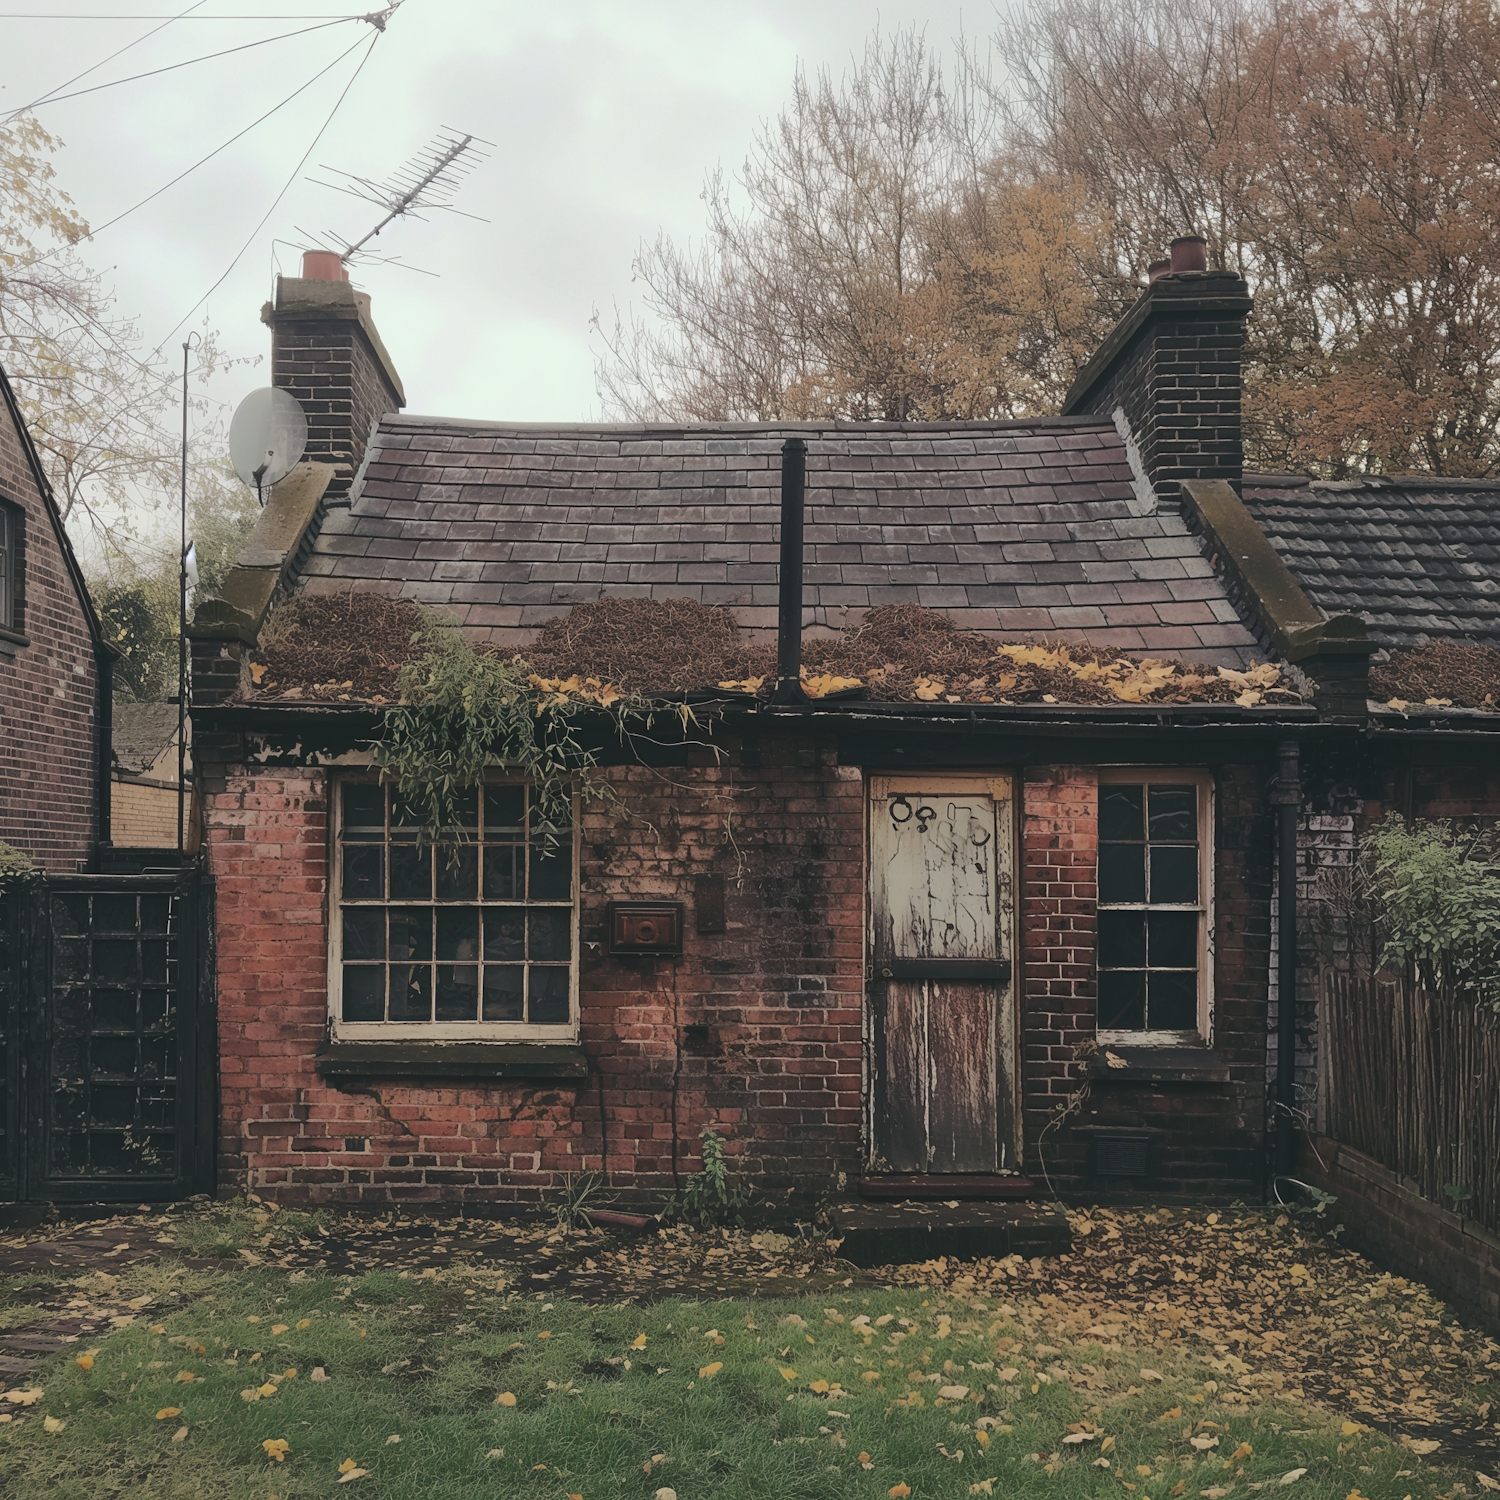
551, 934
411, 992
114, 914
466, 808
70, 914
559, 809
552, 874
1122, 872
70, 959
411, 933
1122, 940
1174, 940
502, 993
549, 996
156, 913
364, 871
1174, 1000
457, 872
504, 807
405, 812
364, 933
458, 935
1120, 813
1122, 1000
1174, 873
364, 810
1174, 814
113, 1054
457, 992
504, 877
364, 992
504, 933
411, 873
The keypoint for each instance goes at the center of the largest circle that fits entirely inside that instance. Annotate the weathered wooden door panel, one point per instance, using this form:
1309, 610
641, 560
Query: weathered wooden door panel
963, 1109
940, 908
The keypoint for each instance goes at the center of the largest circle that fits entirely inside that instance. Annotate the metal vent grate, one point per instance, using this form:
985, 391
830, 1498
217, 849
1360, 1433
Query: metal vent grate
1121, 1155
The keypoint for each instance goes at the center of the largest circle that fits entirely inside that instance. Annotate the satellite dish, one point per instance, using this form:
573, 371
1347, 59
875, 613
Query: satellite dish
267, 437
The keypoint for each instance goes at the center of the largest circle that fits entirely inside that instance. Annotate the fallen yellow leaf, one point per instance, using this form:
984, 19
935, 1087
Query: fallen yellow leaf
85, 1361
53, 1424
1243, 1451
179, 1435
546, 1333
304, 1322
277, 1448
268, 1389
277, 1329
898, 1491
638, 1342
818, 1387
183, 1377
787, 1372
168, 1412
710, 1370
505, 1398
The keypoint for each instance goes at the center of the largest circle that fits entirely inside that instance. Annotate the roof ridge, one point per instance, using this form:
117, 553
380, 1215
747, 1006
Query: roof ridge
837, 425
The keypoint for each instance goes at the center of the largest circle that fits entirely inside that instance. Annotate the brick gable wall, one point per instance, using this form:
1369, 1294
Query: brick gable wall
48, 690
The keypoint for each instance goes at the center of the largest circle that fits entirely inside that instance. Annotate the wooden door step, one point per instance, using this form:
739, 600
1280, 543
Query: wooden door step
893, 1187
900, 1233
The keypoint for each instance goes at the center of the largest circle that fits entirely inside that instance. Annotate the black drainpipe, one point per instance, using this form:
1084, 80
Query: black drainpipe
789, 575
104, 781
1288, 800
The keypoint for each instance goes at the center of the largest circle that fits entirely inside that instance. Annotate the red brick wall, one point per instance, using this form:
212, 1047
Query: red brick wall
772, 1060
48, 691
1205, 1138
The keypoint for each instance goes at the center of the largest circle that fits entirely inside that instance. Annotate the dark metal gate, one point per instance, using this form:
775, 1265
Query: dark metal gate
107, 1042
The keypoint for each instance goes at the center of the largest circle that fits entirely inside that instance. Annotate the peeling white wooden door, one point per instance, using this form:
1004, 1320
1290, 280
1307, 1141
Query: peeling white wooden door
941, 916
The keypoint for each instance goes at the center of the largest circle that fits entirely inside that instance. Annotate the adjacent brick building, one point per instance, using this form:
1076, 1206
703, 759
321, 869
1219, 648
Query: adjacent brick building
54, 672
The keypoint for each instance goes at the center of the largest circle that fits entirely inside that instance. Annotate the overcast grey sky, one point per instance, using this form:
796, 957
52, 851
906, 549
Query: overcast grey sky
606, 115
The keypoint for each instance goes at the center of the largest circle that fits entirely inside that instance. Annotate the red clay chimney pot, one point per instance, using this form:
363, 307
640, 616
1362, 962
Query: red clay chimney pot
1157, 268
323, 265
1189, 253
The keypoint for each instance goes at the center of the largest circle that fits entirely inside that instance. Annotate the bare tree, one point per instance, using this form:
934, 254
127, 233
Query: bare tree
871, 260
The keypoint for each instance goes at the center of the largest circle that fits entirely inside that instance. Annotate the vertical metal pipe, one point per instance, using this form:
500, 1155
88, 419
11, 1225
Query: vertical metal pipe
789, 574
1288, 800
182, 673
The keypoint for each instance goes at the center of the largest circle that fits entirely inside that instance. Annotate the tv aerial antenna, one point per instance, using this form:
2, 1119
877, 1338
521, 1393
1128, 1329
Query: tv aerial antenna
428, 182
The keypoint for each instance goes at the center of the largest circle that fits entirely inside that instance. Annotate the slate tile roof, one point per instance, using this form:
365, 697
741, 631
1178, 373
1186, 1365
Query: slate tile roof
1019, 529
1418, 558
141, 731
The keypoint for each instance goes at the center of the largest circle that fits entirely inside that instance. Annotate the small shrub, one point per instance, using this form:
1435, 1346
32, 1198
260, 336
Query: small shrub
13, 861
708, 1200
1436, 894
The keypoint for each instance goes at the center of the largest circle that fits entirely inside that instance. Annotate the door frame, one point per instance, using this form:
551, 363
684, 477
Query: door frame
1006, 782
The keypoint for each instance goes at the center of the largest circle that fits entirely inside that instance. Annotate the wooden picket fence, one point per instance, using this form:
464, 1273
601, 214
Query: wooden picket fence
1413, 1081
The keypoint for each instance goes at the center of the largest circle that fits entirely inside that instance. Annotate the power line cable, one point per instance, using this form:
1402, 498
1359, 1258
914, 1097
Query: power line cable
26, 15
227, 144
188, 63
276, 202
166, 21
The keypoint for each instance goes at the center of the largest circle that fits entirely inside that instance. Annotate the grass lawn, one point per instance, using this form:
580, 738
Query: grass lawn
453, 1383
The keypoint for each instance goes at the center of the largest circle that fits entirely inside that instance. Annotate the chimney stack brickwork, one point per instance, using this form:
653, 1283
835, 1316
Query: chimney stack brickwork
326, 352
1172, 364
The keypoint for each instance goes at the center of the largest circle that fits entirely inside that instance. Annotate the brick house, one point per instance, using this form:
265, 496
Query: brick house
54, 671
934, 944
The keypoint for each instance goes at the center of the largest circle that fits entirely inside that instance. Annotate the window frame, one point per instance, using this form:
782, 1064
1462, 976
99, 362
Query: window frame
1203, 781
437, 1031
12, 523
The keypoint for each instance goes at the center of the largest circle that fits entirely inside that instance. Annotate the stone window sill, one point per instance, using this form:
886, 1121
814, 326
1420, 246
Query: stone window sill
1160, 1065
448, 1061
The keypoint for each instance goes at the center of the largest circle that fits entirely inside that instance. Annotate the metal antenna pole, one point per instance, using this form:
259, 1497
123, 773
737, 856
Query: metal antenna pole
182, 587
404, 202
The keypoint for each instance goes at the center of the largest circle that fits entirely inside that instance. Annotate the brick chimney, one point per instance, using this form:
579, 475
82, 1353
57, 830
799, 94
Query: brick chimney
1168, 375
326, 352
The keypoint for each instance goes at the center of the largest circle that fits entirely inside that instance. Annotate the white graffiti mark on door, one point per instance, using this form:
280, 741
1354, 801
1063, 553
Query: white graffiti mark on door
936, 895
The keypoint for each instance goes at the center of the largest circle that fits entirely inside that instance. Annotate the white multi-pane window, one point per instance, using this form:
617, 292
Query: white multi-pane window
477, 938
1155, 938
